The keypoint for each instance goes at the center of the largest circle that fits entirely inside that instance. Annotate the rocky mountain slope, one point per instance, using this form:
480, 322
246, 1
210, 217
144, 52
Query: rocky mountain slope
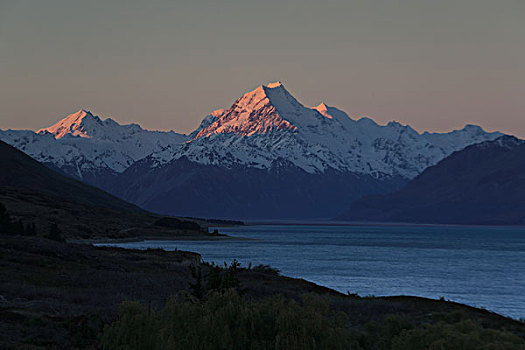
482, 184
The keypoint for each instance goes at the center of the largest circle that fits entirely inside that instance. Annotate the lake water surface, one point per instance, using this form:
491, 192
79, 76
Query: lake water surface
479, 266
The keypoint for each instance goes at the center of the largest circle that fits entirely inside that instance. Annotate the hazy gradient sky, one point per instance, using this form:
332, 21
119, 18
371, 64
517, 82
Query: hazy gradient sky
436, 65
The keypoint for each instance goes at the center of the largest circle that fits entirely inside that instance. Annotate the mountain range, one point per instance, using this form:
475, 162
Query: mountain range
88, 148
267, 156
482, 184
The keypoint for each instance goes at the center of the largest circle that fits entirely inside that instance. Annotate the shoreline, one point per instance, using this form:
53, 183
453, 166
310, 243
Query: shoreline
67, 294
330, 290
366, 224
137, 239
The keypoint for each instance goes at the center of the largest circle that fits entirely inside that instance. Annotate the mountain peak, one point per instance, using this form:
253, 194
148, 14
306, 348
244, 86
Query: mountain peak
259, 111
276, 84
84, 111
275, 92
74, 124
321, 107
472, 127
81, 114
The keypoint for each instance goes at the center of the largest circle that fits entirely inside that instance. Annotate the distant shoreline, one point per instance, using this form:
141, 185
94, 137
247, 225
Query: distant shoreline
348, 223
159, 238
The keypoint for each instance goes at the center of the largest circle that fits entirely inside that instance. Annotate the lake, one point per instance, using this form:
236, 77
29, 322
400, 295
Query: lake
478, 266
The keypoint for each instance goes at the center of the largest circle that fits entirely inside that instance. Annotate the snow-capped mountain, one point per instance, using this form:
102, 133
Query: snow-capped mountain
89, 148
268, 125
267, 156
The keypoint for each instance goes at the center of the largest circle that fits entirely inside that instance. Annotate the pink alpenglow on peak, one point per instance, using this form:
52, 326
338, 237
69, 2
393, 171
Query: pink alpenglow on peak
268, 124
260, 129
74, 124
323, 109
84, 145
256, 112
274, 85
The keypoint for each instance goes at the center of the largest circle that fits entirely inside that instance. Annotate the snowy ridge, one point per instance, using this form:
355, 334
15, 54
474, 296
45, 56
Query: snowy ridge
82, 143
263, 128
268, 125
507, 142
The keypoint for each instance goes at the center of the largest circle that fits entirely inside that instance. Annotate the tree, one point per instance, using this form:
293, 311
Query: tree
197, 289
5, 219
30, 229
55, 233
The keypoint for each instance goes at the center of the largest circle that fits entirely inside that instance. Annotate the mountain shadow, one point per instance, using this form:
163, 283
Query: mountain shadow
23, 172
482, 184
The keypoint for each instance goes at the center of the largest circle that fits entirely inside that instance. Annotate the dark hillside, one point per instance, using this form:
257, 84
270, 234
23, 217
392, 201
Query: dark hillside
482, 184
18, 170
60, 295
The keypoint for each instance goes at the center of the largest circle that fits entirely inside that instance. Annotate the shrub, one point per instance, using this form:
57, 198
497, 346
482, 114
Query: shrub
463, 335
226, 320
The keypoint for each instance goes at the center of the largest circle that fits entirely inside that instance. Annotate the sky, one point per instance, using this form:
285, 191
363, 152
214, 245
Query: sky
436, 65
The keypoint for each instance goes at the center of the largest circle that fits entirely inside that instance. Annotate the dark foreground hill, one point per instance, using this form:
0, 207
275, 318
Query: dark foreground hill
37, 196
78, 221
482, 184
61, 295
20, 171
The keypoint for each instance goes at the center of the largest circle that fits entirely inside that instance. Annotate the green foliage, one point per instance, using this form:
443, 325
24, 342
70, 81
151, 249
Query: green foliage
226, 320
381, 333
136, 328
217, 279
448, 331
196, 288
463, 335
228, 279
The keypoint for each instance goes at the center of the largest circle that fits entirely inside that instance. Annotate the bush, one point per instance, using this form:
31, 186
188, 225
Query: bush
463, 335
226, 320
